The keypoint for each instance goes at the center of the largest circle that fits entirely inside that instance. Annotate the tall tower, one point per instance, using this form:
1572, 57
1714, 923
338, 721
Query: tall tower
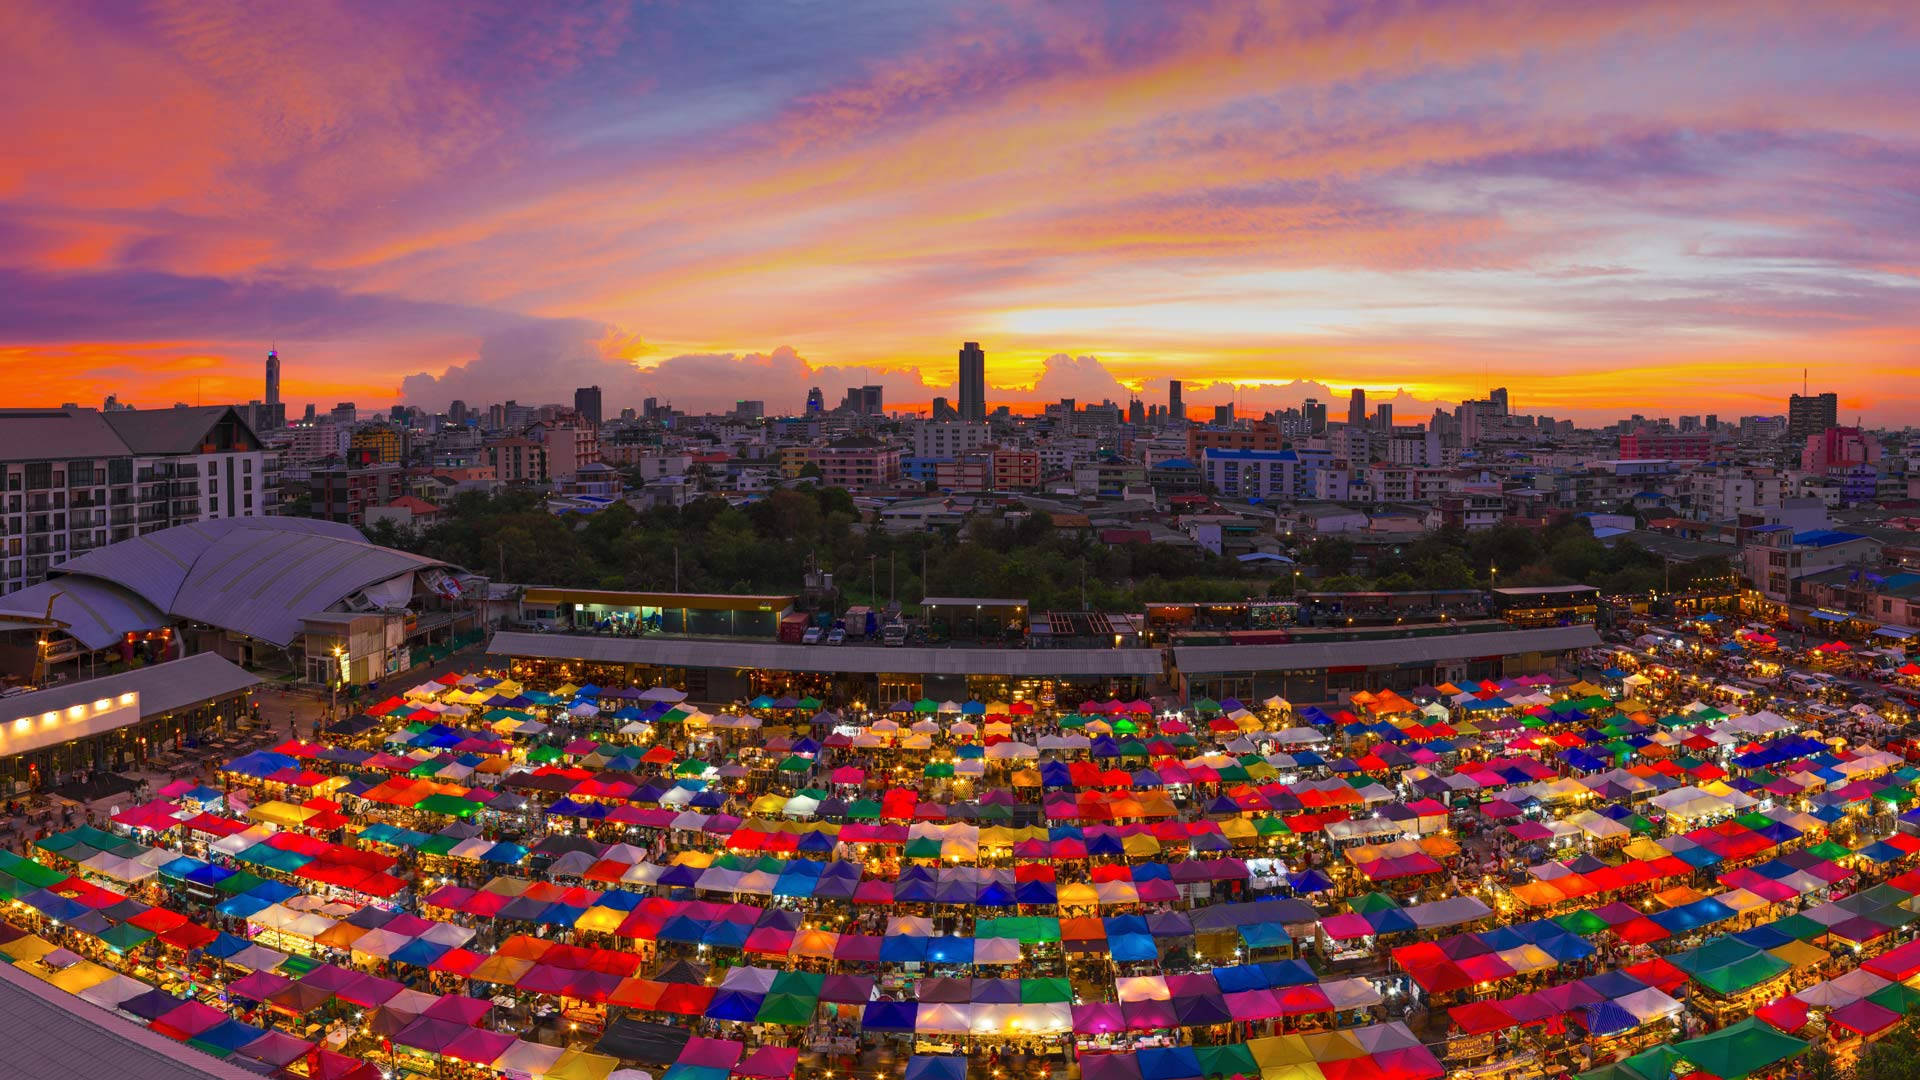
1176, 408
1357, 408
973, 382
273, 379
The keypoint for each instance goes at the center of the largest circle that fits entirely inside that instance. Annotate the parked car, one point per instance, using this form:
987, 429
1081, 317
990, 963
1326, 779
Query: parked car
893, 634
811, 637
837, 636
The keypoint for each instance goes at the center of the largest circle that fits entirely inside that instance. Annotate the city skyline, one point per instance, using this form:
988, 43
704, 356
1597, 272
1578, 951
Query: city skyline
1436, 200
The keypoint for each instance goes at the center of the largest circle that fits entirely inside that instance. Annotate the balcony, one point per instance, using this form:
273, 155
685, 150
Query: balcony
186, 509
184, 488
155, 493
151, 473
154, 515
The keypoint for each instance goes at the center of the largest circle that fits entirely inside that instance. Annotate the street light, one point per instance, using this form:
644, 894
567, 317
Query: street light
339, 676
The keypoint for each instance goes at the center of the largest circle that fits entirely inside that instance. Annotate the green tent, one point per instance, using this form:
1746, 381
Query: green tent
796, 763
798, 983
1753, 820
438, 845
1582, 922
924, 847
1743, 974
1898, 997
235, 884
541, 755
122, 937
1653, 1064
691, 767
1124, 726
296, 965
450, 805
1746, 1047
1206, 704
36, 874
1373, 901
789, 1010
1827, 849
863, 810
938, 770
926, 705
1226, 1061
1799, 927
1046, 991
810, 702
1028, 929
1271, 825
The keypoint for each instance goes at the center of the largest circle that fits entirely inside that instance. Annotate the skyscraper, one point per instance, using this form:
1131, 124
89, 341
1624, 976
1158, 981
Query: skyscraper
1316, 416
586, 402
1811, 414
816, 402
1383, 417
973, 382
1176, 409
1498, 395
1357, 408
273, 379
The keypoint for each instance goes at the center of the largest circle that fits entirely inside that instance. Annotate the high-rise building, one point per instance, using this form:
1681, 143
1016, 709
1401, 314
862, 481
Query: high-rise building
1315, 413
944, 410
973, 382
1357, 408
863, 401
1811, 414
273, 378
1176, 409
1383, 416
345, 413
1223, 415
457, 412
1498, 396
586, 402
816, 402
1136, 413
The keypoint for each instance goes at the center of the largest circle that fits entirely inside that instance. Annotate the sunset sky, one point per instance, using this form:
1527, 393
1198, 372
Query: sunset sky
1609, 208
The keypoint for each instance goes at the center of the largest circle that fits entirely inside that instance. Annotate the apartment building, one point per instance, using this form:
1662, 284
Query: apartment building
78, 479
571, 444
858, 462
517, 460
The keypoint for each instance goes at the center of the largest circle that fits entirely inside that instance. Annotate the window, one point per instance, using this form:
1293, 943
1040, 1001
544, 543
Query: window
211, 467
39, 475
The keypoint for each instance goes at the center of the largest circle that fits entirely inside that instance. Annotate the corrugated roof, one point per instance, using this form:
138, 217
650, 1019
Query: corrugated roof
257, 576
169, 431
156, 565
57, 435
96, 613
260, 582
857, 659
50, 1034
162, 688
1303, 656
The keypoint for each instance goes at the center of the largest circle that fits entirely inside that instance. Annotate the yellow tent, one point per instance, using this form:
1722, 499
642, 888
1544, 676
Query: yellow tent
581, 1065
31, 947
280, 813
80, 976
601, 919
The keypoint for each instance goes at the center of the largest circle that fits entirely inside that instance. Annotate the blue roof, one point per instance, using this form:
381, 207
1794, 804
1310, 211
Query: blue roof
1252, 455
1824, 537
1175, 463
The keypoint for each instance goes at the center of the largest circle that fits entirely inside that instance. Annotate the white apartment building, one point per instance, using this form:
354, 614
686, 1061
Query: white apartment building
948, 438
78, 479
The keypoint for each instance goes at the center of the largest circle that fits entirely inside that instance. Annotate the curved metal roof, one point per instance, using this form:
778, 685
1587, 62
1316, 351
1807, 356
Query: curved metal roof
96, 613
256, 576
